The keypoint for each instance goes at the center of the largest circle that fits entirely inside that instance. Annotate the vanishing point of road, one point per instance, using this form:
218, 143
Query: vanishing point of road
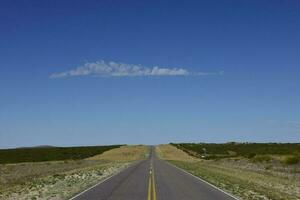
153, 179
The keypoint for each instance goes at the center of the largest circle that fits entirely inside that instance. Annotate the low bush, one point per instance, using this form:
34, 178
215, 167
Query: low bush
250, 155
261, 158
291, 160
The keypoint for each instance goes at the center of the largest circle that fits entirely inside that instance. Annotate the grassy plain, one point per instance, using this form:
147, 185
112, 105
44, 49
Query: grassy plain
58, 180
243, 177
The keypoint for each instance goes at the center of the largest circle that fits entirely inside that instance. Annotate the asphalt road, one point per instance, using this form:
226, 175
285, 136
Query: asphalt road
153, 179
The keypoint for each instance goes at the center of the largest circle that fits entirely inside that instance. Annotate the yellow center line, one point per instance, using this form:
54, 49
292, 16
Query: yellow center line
151, 185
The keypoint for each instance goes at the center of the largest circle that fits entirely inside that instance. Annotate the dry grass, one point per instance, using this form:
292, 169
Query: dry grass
58, 180
169, 152
14, 174
60, 186
248, 184
239, 176
123, 154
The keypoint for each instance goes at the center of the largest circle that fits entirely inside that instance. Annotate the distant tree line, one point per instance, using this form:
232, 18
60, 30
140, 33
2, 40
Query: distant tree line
233, 149
51, 153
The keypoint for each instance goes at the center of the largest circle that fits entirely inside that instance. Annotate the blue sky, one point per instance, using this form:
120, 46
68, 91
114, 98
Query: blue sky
107, 72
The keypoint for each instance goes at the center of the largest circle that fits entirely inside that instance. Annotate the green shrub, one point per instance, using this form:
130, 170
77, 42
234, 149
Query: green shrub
261, 158
291, 160
268, 167
250, 155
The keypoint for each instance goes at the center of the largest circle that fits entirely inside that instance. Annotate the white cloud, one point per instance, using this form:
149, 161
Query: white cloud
109, 69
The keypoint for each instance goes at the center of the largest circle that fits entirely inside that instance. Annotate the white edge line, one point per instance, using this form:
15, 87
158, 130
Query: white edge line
203, 181
102, 181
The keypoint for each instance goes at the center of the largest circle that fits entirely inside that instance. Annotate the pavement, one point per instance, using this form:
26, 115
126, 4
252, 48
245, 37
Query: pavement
153, 179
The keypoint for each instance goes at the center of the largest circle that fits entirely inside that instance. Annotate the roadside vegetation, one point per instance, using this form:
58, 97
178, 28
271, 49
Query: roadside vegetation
287, 153
59, 180
266, 175
50, 153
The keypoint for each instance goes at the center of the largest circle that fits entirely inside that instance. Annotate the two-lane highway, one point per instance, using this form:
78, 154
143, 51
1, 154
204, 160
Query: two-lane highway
153, 179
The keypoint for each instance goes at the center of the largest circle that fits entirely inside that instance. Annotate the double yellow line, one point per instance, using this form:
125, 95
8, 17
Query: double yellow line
151, 185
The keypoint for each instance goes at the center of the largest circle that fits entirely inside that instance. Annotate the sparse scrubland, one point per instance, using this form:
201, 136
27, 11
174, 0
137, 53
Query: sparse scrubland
266, 171
57, 180
287, 153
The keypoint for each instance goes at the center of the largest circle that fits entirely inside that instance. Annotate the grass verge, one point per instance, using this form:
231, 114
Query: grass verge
244, 184
60, 180
245, 179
